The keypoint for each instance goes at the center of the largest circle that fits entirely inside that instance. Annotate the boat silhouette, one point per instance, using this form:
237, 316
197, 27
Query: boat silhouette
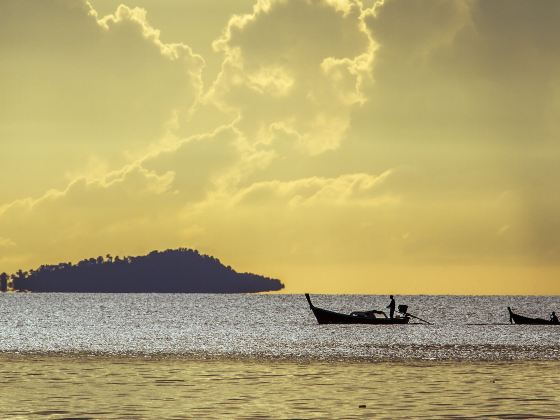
325, 316
525, 320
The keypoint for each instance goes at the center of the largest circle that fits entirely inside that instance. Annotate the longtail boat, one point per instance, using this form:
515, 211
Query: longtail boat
524, 320
368, 317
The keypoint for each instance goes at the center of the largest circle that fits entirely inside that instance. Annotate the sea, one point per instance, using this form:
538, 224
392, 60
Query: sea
265, 356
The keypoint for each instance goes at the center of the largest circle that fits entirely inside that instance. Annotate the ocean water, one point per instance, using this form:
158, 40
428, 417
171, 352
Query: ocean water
277, 327
112, 356
120, 387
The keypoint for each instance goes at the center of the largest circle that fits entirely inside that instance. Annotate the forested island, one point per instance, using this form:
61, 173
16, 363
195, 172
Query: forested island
172, 271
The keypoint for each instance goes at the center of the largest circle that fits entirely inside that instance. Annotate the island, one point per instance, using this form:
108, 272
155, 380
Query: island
171, 271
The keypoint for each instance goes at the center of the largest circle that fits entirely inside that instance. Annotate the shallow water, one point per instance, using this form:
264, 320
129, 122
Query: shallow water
122, 387
273, 327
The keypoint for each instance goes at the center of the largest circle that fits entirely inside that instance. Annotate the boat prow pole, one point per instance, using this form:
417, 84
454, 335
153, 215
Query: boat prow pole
309, 300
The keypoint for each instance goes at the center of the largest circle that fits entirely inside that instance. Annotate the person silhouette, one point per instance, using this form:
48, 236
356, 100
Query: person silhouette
391, 307
553, 318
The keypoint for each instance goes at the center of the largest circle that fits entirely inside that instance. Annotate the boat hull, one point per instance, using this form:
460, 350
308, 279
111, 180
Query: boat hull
328, 317
524, 320
324, 316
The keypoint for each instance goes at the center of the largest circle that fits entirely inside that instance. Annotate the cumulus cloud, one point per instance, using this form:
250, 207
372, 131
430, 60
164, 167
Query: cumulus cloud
299, 64
200, 163
76, 85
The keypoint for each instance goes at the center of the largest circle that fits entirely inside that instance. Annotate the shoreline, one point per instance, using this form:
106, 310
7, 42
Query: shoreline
260, 359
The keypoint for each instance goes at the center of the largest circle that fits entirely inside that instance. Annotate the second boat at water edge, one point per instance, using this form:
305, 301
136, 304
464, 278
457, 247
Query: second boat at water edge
524, 320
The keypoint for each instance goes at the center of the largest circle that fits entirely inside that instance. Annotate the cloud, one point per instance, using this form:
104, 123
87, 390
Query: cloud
143, 200
337, 133
408, 29
350, 189
90, 216
302, 221
77, 86
201, 163
473, 70
301, 64
137, 16
464, 95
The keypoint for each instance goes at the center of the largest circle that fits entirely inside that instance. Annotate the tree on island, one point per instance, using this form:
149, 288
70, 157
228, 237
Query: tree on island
4, 282
172, 271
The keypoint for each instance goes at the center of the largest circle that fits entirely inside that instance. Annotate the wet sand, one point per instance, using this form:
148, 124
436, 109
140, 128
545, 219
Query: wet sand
64, 386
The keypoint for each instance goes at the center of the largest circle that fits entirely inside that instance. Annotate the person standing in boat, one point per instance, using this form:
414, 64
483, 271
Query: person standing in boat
391, 307
554, 318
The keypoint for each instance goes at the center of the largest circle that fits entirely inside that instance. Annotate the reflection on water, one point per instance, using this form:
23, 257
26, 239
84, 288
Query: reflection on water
247, 356
100, 387
273, 326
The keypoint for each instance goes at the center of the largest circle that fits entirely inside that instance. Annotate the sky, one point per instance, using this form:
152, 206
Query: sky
343, 146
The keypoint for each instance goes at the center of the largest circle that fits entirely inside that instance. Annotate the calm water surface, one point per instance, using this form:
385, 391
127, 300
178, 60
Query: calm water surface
273, 326
98, 387
264, 356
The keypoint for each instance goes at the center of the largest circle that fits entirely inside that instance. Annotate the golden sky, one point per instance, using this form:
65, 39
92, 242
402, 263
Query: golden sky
343, 146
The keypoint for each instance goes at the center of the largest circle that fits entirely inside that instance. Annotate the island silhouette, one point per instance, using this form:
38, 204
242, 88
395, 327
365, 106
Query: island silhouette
171, 271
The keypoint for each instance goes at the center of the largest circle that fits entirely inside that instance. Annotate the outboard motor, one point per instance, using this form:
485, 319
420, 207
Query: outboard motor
403, 309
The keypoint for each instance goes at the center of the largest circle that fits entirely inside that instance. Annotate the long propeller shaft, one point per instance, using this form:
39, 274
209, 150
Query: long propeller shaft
419, 319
